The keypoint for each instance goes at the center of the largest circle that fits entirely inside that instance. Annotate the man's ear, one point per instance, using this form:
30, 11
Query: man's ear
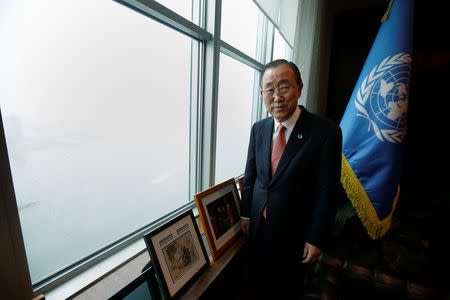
299, 89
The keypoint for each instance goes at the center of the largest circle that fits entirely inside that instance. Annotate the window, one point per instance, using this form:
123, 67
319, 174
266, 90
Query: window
106, 128
97, 125
186, 8
281, 49
240, 25
233, 117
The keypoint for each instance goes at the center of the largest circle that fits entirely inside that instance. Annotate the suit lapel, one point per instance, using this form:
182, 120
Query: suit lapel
296, 140
267, 148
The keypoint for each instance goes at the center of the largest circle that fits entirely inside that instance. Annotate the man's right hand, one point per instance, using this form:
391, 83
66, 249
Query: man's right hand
245, 224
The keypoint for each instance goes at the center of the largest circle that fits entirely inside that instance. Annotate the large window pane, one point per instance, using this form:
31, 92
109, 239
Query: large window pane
234, 117
240, 25
281, 49
95, 101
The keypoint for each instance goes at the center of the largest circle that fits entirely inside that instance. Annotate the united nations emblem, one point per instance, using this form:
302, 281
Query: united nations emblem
382, 98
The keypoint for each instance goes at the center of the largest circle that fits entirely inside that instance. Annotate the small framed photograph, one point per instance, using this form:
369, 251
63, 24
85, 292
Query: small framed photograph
219, 210
144, 286
177, 254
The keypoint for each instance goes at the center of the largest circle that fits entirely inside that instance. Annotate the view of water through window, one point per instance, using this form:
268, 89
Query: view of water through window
234, 117
95, 102
96, 106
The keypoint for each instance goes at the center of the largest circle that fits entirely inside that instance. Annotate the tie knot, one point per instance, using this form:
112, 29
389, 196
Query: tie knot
281, 127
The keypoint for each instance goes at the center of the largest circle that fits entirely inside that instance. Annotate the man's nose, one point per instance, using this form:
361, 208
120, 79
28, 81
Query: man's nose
277, 96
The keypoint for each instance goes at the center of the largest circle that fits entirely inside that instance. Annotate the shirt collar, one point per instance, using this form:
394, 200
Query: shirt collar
289, 123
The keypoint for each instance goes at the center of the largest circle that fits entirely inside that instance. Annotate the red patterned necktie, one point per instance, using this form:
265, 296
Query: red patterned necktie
278, 147
277, 150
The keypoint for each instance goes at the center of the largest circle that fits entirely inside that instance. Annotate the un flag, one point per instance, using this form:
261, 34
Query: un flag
375, 122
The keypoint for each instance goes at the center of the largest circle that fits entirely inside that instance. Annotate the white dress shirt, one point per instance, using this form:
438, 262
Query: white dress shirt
289, 124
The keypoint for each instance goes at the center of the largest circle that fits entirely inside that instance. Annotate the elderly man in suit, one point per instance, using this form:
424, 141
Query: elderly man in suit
291, 178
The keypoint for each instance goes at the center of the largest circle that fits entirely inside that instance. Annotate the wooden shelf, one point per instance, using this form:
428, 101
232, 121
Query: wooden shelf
214, 269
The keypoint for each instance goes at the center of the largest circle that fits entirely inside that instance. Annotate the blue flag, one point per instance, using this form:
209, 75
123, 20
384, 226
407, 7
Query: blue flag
374, 122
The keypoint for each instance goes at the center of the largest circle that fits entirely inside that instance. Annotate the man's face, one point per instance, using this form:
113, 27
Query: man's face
280, 92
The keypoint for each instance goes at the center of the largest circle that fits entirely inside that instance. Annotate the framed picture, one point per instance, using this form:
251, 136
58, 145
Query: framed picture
219, 210
144, 286
177, 254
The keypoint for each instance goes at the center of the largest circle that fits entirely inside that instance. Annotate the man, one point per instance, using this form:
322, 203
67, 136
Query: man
291, 178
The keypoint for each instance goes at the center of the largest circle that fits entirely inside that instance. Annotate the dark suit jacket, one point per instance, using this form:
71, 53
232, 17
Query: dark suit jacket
300, 195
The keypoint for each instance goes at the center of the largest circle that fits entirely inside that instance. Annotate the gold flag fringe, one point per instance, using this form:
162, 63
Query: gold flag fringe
386, 14
375, 227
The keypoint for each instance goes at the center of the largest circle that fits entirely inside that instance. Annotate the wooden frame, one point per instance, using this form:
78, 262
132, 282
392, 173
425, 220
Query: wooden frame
240, 182
177, 254
219, 210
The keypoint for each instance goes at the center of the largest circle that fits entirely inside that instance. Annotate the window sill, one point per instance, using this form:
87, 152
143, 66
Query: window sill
107, 277
86, 282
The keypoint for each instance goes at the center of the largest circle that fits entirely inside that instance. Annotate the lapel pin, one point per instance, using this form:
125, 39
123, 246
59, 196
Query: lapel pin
299, 136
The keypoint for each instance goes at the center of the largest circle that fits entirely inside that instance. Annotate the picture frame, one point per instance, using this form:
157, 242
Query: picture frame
144, 286
219, 212
177, 254
240, 182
